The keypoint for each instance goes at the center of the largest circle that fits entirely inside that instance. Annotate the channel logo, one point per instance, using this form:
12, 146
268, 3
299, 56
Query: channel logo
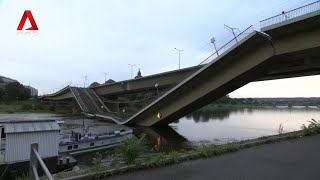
27, 15
30, 33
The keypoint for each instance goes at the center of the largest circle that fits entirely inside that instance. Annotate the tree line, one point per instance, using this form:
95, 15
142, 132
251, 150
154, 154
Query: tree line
14, 92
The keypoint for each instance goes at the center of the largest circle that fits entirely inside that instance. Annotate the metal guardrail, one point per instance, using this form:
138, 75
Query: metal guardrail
309, 8
228, 45
34, 159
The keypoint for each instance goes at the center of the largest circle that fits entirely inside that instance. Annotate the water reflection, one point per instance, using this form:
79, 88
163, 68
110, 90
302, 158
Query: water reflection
205, 116
225, 125
223, 114
162, 138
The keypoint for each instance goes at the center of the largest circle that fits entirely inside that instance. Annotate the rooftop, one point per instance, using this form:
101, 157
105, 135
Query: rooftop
30, 126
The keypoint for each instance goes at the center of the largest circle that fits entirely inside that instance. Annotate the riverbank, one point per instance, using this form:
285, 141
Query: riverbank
31, 106
163, 159
292, 159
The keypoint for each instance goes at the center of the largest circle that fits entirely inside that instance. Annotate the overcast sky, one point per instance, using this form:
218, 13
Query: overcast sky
81, 37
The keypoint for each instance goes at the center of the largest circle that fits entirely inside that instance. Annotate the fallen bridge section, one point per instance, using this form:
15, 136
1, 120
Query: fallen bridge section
88, 101
290, 50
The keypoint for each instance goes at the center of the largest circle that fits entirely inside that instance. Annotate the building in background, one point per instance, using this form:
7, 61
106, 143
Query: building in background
138, 74
33, 91
5, 80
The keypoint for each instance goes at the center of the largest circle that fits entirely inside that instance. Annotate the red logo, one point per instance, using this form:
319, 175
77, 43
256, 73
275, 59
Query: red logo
27, 14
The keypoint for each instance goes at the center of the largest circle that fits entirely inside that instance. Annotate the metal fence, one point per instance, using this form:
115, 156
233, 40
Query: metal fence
309, 8
34, 159
228, 45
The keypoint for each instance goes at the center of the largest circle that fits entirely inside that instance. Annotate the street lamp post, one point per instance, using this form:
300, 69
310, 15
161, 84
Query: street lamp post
156, 86
232, 31
132, 69
179, 50
85, 80
213, 41
105, 77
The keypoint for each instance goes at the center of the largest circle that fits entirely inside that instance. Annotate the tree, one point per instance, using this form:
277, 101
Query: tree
224, 99
16, 91
2, 93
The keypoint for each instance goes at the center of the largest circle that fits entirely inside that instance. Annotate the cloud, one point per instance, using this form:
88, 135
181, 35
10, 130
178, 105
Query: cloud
78, 38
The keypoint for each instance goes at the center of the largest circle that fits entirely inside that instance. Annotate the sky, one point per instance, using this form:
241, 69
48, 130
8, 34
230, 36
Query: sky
100, 38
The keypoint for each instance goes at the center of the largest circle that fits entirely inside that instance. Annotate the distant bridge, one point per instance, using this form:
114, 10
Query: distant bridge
287, 46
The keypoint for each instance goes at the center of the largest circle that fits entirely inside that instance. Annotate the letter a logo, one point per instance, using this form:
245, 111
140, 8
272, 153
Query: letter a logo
27, 14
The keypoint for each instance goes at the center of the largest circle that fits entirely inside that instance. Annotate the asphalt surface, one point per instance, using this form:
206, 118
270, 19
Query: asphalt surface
293, 159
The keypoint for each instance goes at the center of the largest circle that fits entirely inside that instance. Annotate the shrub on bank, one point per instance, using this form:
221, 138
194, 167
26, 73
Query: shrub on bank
312, 128
131, 148
26, 107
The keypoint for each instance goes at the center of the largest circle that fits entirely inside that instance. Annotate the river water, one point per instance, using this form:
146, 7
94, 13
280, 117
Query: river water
216, 127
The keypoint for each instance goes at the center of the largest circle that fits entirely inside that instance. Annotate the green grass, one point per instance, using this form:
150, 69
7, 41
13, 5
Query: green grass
312, 128
151, 161
31, 106
214, 150
131, 148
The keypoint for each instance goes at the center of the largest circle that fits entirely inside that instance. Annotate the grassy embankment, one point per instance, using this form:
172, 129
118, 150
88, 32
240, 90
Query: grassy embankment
31, 106
131, 149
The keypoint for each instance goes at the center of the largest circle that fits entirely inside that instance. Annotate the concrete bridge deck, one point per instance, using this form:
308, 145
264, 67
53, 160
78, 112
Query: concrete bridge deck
285, 49
291, 51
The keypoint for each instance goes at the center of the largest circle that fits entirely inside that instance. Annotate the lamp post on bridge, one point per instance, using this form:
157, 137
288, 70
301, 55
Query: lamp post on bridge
85, 80
213, 41
105, 77
232, 31
156, 86
179, 50
132, 69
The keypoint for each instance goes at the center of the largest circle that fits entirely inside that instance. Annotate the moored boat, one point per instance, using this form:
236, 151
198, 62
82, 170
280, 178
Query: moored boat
79, 143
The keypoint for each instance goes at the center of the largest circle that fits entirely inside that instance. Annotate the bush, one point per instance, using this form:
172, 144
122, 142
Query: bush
26, 107
131, 148
97, 161
38, 107
312, 128
52, 108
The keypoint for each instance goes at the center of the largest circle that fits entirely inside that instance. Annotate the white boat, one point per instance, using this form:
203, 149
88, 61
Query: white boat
78, 143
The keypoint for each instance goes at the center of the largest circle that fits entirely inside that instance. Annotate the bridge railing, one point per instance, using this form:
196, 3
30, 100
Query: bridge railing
34, 159
309, 8
228, 45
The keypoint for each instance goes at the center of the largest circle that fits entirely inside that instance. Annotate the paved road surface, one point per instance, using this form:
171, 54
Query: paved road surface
294, 159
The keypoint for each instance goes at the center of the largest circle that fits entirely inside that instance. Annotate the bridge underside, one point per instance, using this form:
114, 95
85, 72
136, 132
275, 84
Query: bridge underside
284, 51
282, 55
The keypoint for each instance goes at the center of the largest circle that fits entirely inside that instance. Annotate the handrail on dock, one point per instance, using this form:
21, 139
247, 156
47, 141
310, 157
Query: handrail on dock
34, 159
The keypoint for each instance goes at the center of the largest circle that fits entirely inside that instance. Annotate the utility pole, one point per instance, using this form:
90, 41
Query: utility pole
213, 41
232, 31
179, 50
85, 80
132, 69
105, 77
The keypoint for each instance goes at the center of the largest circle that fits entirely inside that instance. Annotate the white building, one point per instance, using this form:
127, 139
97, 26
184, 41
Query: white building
21, 134
34, 91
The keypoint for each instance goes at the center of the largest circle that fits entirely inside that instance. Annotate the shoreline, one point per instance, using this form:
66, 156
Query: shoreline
162, 159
